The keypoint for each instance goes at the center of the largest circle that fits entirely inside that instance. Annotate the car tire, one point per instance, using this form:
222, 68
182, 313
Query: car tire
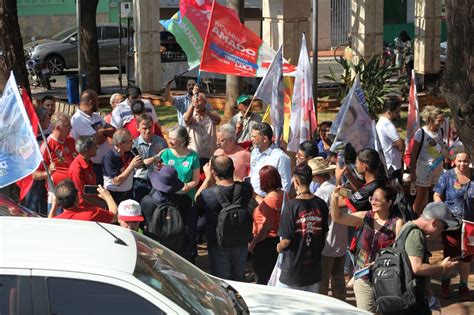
56, 64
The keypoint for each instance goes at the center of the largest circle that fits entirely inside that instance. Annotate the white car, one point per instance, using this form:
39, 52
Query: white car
53, 266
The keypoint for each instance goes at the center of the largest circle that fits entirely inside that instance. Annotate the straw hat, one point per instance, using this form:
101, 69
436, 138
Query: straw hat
320, 166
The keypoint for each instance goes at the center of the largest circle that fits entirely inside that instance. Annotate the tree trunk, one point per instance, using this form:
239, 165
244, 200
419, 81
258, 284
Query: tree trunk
458, 85
232, 88
11, 46
89, 46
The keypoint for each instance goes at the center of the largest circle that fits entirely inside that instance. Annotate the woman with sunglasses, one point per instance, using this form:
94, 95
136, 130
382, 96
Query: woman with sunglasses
324, 143
378, 228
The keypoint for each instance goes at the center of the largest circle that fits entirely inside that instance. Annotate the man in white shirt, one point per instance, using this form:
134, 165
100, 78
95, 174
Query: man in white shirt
393, 146
265, 152
87, 122
122, 113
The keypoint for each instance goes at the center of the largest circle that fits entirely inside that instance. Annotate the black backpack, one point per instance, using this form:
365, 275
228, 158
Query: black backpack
234, 222
395, 287
168, 227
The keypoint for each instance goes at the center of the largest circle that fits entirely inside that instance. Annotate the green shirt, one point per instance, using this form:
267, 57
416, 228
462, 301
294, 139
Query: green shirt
184, 166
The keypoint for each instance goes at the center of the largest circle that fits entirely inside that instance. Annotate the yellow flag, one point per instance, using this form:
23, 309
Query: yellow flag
266, 117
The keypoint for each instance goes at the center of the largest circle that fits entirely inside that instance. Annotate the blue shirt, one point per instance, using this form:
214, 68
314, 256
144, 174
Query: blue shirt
275, 157
147, 150
453, 192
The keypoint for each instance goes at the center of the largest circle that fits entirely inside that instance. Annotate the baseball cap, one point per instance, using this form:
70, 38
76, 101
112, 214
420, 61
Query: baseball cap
242, 98
129, 210
439, 210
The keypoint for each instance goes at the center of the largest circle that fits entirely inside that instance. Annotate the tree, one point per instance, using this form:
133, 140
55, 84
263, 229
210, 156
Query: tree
232, 88
11, 46
89, 46
458, 85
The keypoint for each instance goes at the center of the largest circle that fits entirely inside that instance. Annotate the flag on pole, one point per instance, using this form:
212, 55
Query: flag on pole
270, 91
231, 48
413, 120
19, 151
26, 183
353, 124
288, 88
303, 118
189, 26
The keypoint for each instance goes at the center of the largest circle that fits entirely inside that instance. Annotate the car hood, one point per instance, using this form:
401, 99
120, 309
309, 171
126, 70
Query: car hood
40, 43
262, 299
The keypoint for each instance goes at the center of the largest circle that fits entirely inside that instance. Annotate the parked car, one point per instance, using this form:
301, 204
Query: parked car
60, 51
77, 267
8, 208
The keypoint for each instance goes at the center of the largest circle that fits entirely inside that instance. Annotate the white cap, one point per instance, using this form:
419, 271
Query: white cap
130, 210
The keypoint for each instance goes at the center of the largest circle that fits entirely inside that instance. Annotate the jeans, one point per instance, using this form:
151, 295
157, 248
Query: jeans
37, 198
228, 263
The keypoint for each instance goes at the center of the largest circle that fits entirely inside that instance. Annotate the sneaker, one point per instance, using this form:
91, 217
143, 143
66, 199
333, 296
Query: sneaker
464, 293
445, 289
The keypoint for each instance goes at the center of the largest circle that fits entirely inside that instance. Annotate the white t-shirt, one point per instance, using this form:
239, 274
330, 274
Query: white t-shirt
430, 149
388, 134
122, 113
85, 125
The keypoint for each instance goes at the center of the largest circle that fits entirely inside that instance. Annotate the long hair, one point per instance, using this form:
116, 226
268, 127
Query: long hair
374, 163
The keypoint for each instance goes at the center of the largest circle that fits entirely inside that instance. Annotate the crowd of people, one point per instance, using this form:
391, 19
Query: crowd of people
304, 219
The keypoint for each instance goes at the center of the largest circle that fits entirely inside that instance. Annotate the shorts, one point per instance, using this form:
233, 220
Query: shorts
425, 176
452, 245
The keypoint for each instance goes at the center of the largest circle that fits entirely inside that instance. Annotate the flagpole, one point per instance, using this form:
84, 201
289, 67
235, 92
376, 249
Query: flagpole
315, 60
49, 177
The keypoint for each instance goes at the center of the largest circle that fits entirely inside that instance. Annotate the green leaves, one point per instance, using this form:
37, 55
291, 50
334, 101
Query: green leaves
377, 80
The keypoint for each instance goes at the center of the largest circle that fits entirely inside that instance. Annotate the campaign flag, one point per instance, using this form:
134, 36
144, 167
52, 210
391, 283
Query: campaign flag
413, 120
189, 26
270, 91
26, 183
303, 118
288, 88
353, 124
19, 151
231, 48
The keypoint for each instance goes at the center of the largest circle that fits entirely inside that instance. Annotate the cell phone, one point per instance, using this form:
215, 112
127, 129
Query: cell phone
91, 189
345, 192
135, 152
361, 272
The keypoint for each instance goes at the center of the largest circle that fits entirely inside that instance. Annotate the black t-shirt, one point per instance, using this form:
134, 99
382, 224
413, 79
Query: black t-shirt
360, 199
305, 223
207, 203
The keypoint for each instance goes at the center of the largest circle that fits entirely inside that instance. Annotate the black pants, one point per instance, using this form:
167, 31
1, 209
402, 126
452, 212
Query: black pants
99, 174
120, 196
264, 259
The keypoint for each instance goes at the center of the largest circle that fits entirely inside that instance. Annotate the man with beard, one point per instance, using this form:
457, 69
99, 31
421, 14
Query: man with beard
393, 146
87, 122
182, 102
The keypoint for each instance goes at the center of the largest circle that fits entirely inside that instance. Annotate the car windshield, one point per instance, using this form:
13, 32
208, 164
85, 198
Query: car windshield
63, 34
181, 282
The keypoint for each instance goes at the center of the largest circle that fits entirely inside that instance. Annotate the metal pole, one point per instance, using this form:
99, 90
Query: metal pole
120, 47
79, 53
315, 57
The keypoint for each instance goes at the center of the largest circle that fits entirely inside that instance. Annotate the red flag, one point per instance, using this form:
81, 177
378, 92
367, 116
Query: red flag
25, 183
467, 244
413, 120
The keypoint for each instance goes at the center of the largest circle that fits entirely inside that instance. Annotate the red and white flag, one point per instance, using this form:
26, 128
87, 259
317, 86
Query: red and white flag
413, 120
303, 117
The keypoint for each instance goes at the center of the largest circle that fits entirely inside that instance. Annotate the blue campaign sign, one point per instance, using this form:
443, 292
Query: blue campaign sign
19, 150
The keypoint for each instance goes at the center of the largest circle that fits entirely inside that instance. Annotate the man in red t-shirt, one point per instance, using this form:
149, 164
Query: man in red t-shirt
81, 170
58, 151
66, 197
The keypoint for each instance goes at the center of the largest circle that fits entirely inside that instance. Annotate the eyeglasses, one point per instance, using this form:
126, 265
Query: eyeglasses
374, 200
